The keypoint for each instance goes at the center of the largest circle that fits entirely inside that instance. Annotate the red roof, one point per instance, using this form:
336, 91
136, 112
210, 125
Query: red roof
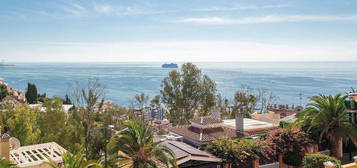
206, 120
208, 134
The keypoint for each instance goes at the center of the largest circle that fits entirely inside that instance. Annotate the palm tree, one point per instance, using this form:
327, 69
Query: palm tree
73, 161
6, 164
135, 148
141, 99
328, 115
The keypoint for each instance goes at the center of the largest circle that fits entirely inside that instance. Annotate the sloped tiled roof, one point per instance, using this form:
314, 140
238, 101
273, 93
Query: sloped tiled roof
208, 135
206, 120
185, 152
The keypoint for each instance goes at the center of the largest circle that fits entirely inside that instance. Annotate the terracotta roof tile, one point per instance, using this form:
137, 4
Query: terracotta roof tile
208, 135
206, 120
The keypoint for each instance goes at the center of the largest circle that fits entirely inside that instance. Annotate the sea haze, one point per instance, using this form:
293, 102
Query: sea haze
123, 80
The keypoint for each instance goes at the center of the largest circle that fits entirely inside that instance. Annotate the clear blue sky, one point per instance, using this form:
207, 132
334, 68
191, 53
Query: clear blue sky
178, 30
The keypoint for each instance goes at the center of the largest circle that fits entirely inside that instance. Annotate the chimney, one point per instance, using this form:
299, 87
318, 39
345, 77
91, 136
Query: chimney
5, 146
240, 121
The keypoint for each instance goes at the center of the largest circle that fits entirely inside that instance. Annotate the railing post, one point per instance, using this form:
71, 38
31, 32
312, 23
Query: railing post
281, 161
255, 163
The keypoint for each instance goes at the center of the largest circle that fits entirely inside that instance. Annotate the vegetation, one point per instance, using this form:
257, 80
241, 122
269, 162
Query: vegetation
52, 121
23, 124
6, 164
73, 161
67, 100
290, 143
241, 152
317, 161
31, 93
244, 102
187, 91
135, 147
141, 100
3, 91
328, 116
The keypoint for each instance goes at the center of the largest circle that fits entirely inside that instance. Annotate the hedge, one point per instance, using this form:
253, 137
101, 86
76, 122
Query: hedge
317, 161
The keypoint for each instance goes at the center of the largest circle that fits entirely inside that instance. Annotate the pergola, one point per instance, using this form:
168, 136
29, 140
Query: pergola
34, 155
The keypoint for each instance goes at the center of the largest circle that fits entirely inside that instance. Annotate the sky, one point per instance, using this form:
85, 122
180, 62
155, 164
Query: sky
178, 30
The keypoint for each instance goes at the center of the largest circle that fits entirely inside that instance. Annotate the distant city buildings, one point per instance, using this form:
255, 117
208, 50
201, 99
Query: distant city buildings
150, 112
284, 110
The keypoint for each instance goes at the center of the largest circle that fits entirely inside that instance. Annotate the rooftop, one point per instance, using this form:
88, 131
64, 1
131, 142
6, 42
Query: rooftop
185, 153
207, 135
208, 120
34, 155
251, 126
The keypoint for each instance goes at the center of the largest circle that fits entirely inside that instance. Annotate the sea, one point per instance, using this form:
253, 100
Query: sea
291, 82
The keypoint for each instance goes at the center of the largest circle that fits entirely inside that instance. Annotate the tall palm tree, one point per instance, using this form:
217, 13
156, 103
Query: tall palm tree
6, 164
73, 161
329, 116
135, 148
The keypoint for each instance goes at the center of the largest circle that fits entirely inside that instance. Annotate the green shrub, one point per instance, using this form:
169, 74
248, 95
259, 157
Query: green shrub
317, 161
293, 158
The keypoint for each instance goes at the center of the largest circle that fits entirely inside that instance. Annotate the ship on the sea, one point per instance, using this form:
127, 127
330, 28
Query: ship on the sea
172, 65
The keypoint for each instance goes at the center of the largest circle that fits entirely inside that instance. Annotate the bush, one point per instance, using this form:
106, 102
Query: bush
241, 152
317, 161
293, 159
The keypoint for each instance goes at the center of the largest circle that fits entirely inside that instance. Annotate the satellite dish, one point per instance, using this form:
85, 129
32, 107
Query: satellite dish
14, 143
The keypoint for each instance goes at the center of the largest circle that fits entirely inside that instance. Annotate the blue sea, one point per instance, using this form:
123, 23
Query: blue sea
123, 80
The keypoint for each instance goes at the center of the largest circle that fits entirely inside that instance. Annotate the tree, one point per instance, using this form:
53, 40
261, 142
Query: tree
3, 91
74, 138
23, 125
187, 92
155, 101
31, 93
141, 99
73, 161
245, 101
88, 98
135, 147
264, 99
224, 107
42, 97
52, 121
328, 114
67, 100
